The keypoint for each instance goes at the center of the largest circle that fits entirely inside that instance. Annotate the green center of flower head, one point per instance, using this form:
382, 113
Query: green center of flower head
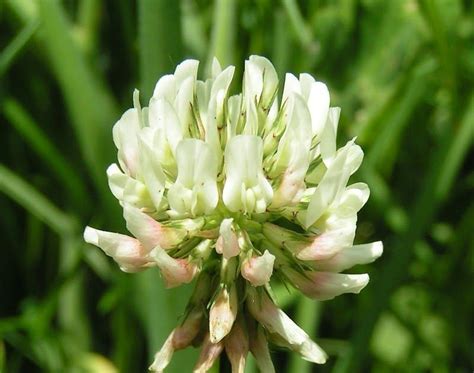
229, 190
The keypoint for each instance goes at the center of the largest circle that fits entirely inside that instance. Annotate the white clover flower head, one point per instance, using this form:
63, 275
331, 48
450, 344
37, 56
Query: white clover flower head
229, 190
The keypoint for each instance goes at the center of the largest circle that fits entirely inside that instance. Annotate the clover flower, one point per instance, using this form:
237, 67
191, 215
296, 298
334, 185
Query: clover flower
231, 191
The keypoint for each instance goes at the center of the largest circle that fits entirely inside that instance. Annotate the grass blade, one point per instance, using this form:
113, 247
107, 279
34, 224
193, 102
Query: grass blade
12, 50
159, 40
223, 33
46, 150
92, 109
35, 202
298, 23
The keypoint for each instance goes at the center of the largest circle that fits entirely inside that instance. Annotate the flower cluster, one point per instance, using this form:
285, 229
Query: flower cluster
229, 190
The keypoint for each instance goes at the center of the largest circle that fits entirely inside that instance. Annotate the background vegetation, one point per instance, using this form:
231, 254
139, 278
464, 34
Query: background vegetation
403, 73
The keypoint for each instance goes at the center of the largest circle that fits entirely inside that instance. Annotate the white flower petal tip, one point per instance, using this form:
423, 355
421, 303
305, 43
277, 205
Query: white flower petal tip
329, 190
128, 252
91, 236
125, 133
258, 269
376, 249
351, 256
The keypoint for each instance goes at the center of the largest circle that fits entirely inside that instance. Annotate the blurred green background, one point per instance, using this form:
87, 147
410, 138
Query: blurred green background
401, 70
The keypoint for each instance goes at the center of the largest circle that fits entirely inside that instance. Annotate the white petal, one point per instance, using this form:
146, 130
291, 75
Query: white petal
243, 166
318, 104
293, 154
195, 190
196, 162
295, 138
227, 244
328, 285
328, 136
292, 85
234, 111
251, 118
129, 254
152, 175
216, 68
150, 232
183, 102
127, 189
222, 314
117, 180
155, 139
125, 133
174, 271
335, 234
306, 82
203, 94
276, 321
353, 199
165, 89
221, 84
260, 80
186, 69
334, 181
351, 256
163, 115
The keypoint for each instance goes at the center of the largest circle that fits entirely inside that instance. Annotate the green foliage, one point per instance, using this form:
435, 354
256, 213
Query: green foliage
403, 73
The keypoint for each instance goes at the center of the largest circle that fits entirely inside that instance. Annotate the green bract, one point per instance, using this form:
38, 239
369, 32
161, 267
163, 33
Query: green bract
209, 184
